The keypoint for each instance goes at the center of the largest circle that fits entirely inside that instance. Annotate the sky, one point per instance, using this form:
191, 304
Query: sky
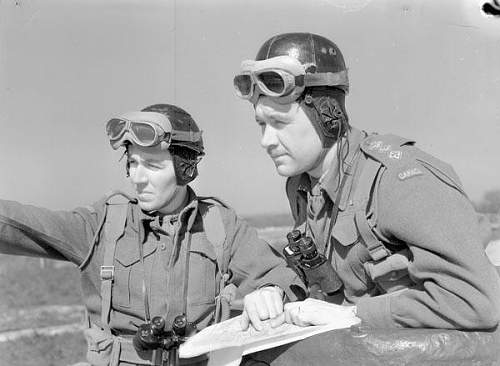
427, 70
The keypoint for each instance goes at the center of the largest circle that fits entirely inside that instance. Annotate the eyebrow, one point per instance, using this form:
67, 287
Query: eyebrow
274, 116
146, 160
152, 160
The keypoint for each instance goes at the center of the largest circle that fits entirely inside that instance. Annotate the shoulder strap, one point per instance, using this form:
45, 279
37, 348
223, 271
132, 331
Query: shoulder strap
368, 175
380, 151
215, 230
389, 150
114, 227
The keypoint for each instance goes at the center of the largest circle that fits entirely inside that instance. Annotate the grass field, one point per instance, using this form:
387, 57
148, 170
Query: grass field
27, 284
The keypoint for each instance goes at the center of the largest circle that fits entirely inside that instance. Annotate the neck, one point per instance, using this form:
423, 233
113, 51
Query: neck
324, 162
178, 202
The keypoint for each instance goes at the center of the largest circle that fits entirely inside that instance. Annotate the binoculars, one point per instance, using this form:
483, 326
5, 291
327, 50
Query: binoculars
313, 267
154, 337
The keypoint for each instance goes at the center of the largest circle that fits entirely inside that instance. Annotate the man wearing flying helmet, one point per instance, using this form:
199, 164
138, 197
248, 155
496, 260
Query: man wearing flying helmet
164, 255
392, 222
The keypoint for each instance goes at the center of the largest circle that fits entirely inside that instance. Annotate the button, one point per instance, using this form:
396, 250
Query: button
163, 246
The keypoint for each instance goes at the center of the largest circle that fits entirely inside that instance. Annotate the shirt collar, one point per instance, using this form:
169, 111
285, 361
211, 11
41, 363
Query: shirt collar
152, 219
329, 181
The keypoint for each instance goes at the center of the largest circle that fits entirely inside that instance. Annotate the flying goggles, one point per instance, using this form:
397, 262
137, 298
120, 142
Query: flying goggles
145, 129
283, 78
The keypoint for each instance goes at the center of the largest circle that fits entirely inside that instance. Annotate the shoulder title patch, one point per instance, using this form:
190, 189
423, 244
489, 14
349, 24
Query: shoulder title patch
379, 146
408, 173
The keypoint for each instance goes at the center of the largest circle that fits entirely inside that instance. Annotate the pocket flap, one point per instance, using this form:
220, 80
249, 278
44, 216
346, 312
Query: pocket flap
204, 247
345, 230
97, 339
127, 251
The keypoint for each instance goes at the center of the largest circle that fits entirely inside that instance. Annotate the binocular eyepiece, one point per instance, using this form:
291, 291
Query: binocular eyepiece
313, 267
153, 335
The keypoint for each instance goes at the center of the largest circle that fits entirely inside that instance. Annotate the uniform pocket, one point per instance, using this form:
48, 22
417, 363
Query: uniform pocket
202, 272
99, 346
128, 270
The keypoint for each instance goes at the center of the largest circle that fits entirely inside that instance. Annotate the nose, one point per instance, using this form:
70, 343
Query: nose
268, 137
138, 175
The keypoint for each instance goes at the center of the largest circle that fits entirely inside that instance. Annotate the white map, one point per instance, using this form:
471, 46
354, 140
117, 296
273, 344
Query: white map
227, 343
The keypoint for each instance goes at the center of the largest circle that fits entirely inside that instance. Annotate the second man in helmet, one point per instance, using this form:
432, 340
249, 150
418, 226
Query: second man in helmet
393, 222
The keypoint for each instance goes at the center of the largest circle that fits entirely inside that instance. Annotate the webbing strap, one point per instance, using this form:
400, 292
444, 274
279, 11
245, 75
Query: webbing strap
368, 174
336, 205
113, 230
145, 292
216, 234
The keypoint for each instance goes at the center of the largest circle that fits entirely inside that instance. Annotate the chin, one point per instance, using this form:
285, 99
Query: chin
287, 171
147, 206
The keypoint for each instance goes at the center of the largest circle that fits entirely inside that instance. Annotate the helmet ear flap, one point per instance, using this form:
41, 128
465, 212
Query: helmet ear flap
326, 112
186, 170
331, 116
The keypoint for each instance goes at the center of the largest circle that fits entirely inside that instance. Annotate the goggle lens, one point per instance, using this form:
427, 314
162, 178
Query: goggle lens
273, 81
115, 128
145, 133
243, 84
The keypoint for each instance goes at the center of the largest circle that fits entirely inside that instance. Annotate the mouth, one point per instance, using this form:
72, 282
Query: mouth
144, 196
275, 155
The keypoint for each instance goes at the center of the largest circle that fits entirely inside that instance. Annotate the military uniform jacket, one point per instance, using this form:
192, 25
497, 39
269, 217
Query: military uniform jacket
252, 263
414, 208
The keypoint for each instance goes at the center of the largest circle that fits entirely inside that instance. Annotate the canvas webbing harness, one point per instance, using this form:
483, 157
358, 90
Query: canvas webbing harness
368, 177
116, 211
367, 173
367, 170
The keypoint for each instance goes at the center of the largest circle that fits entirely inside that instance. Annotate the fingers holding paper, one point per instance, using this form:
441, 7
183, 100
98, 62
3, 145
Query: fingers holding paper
262, 304
317, 312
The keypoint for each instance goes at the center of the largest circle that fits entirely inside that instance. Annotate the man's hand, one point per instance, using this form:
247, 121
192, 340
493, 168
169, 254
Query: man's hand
264, 303
315, 312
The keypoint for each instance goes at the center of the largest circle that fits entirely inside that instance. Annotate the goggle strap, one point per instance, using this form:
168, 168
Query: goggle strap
326, 79
188, 136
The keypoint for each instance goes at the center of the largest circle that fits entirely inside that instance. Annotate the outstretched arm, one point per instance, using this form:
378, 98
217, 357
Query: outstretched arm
35, 231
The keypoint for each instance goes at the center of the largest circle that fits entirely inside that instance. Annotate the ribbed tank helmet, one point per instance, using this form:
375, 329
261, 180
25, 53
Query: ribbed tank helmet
180, 121
317, 53
186, 154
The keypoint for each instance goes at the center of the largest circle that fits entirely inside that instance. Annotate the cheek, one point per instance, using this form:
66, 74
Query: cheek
165, 181
302, 140
308, 148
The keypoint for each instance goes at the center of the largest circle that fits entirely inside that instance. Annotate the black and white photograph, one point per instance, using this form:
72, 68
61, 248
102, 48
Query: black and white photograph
268, 182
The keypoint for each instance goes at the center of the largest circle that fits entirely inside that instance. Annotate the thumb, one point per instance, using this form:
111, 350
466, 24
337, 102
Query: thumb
277, 321
244, 320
